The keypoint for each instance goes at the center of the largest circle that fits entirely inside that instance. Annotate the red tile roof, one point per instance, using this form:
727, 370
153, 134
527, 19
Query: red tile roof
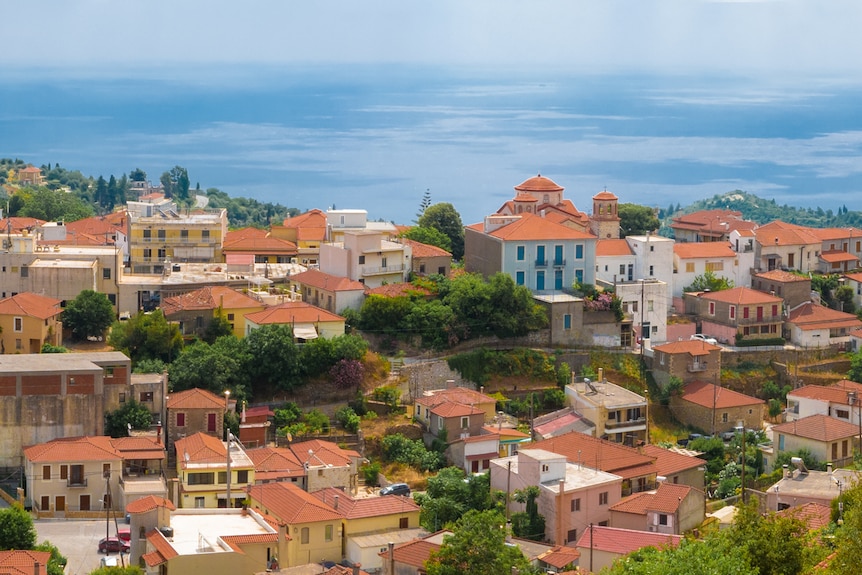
711, 222
666, 499
539, 183
560, 556
148, 503
291, 504
668, 463
22, 562
782, 276
832, 393
208, 298
30, 304
312, 219
201, 448
613, 248
818, 428
452, 409
267, 245
275, 463
19, 224
292, 312
463, 395
326, 282
690, 346
195, 399
826, 234
624, 541
529, 227
139, 447
325, 452
94, 448
837, 256
365, 507
778, 233
741, 296
692, 250
244, 233
590, 451
524, 197
709, 395
164, 550
814, 515
414, 553
421, 250
810, 316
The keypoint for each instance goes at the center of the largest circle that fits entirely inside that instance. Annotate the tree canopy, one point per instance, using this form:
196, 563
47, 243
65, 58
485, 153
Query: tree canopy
430, 236
89, 314
708, 281
130, 413
147, 336
450, 494
636, 220
445, 218
16, 529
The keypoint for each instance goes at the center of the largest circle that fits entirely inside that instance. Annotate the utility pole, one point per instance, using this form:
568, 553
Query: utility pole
742, 476
228, 503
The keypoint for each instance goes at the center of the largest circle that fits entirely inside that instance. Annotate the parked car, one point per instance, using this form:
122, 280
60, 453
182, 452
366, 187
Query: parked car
124, 533
113, 545
702, 337
396, 489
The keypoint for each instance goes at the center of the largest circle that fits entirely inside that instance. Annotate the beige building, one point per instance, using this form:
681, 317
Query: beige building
307, 321
600, 546
715, 409
618, 414
212, 473
195, 310
366, 257
826, 438
794, 289
739, 313
674, 509
192, 411
428, 260
332, 293
28, 321
689, 360
167, 237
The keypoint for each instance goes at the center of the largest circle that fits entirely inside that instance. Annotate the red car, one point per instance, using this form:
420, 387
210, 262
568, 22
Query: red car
124, 533
113, 545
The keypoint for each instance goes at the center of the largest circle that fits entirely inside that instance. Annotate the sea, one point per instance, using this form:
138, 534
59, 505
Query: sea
379, 137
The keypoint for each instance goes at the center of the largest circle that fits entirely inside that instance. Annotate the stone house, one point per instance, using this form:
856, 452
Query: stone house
688, 360
715, 409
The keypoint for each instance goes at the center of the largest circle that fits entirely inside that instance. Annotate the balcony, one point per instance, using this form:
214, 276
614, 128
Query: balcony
541, 263
696, 366
76, 482
559, 263
613, 424
372, 270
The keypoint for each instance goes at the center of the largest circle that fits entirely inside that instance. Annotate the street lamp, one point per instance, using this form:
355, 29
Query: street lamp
228, 436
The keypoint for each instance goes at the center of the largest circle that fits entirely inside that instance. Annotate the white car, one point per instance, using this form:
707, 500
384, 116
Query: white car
706, 338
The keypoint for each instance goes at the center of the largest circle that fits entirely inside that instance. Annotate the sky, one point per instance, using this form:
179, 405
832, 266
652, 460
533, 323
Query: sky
792, 37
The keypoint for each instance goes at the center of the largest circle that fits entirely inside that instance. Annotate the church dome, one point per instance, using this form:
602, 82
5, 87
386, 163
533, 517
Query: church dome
539, 184
605, 195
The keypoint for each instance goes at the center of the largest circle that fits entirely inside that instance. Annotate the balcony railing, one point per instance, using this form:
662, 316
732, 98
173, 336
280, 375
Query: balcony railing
613, 423
560, 262
697, 366
76, 482
541, 263
371, 270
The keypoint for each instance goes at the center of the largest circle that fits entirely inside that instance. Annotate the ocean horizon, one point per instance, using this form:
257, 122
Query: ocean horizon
378, 137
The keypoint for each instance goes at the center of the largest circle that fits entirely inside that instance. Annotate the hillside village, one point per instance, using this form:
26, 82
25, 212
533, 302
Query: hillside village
634, 435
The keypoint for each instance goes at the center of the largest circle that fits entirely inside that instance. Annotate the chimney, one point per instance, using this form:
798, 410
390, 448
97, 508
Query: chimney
36, 568
391, 558
481, 389
787, 472
601, 378
356, 568
159, 433
335, 504
829, 467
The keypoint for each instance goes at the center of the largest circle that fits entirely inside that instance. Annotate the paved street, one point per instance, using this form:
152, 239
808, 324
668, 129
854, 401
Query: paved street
78, 540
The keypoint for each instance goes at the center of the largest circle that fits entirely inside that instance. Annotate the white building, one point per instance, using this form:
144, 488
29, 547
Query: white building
646, 302
654, 257
367, 257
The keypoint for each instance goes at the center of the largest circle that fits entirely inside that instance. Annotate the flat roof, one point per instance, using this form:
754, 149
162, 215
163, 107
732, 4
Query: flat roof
198, 530
383, 538
556, 297
815, 484
45, 362
577, 476
607, 394
62, 263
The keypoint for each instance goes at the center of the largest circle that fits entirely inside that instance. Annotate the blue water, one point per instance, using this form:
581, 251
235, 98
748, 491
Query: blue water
378, 137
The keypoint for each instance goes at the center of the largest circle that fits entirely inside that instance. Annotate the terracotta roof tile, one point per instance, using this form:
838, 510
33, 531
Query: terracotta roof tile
453, 409
94, 448
837, 256
525, 197
365, 507
414, 553
819, 428
325, 452
609, 457
741, 296
463, 395
244, 233
709, 395
814, 515
148, 503
19, 224
139, 447
164, 550
292, 312
201, 448
606, 248
275, 463
779, 233
669, 462
30, 304
782, 276
605, 195
530, 227
689, 346
539, 183
310, 219
560, 556
327, 282
22, 561
403, 289
266, 245
692, 250
291, 504
421, 250
195, 399
832, 393
667, 498
825, 234
208, 298
810, 316
624, 541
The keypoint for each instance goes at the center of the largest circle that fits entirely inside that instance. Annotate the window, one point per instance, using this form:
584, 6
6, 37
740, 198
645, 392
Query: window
19, 324
199, 502
148, 253
650, 305
842, 414
567, 321
603, 498
775, 311
689, 267
18, 344
211, 422
781, 442
712, 308
383, 262
162, 253
303, 536
731, 312
106, 469
148, 234
579, 276
622, 269
64, 472
519, 278
361, 260
328, 533
207, 478
76, 475
519, 253
25, 272
745, 312
558, 255
465, 422
540, 280
579, 252
109, 372
205, 235
652, 248
540, 256
714, 266
651, 274
181, 420
242, 476
724, 418
46, 472
222, 477
147, 397
184, 234
403, 523
576, 504
572, 535
662, 519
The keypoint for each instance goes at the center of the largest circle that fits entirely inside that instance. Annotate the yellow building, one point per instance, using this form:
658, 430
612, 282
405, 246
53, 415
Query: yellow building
307, 232
202, 462
308, 321
27, 321
314, 527
195, 310
168, 236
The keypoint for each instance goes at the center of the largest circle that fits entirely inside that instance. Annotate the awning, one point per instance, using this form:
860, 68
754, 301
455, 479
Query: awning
304, 332
482, 456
